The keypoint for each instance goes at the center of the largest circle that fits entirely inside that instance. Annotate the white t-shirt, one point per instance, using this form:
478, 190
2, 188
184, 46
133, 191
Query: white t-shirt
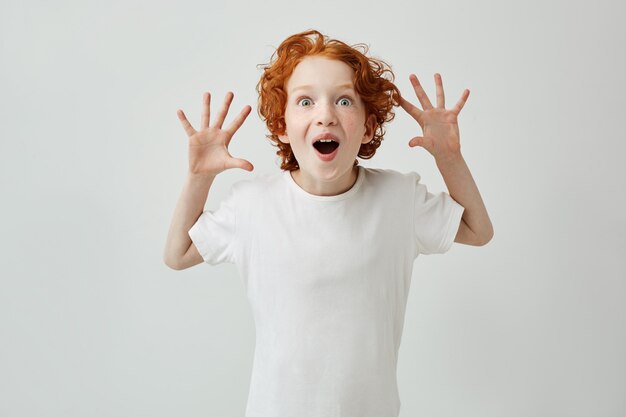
327, 278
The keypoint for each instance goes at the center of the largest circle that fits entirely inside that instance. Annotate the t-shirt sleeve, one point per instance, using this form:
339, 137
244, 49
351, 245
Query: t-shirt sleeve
436, 219
215, 232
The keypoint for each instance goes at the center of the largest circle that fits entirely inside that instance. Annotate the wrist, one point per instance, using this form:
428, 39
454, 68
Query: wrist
450, 158
200, 179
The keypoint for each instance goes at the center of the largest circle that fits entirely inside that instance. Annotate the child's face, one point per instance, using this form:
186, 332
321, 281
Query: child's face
328, 104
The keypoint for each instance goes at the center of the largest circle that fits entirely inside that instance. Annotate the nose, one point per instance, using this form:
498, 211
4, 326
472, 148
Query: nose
326, 115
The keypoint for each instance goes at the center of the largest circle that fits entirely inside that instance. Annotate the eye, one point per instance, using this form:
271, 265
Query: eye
301, 99
345, 99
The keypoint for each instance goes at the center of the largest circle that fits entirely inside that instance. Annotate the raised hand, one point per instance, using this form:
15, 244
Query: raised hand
439, 126
208, 147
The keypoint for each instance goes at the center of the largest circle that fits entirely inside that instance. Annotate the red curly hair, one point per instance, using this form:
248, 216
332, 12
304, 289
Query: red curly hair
378, 94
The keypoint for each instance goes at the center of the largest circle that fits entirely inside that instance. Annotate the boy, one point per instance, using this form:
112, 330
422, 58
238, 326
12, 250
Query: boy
326, 247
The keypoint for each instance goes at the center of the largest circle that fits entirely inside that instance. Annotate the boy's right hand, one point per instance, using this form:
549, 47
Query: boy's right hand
208, 147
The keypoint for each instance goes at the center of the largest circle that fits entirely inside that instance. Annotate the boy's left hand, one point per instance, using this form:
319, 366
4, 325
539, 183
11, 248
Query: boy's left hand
441, 130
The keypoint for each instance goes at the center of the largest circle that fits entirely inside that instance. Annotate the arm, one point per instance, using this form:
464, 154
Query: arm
180, 252
208, 157
476, 228
442, 140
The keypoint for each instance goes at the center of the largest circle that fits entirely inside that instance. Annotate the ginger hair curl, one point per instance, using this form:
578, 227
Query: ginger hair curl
377, 93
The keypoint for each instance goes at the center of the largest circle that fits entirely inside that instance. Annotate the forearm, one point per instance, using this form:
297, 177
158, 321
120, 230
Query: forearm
189, 207
463, 189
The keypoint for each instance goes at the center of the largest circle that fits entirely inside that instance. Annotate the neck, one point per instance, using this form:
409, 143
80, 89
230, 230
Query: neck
325, 187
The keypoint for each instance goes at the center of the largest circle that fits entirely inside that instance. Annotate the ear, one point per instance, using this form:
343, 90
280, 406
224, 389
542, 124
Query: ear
283, 138
370, 126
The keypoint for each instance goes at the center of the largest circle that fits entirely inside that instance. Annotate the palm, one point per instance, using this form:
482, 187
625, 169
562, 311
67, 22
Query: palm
208, 147
440, 127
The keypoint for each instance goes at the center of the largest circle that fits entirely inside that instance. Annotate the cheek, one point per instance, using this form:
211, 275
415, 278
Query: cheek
355, 125
290, 118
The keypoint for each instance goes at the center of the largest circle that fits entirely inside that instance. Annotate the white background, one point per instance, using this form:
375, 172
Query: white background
93, 159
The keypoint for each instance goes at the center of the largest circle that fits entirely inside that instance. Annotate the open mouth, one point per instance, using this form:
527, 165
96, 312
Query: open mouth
326, 146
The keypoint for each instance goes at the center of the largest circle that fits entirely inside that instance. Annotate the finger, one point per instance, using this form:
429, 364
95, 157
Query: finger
206, 110
239, 163
236, 124
459, 105
416, 141
419, 91
186, 125
441, 101
222, 114
411, 109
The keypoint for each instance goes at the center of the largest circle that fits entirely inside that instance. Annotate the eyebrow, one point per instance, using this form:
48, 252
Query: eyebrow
303, 87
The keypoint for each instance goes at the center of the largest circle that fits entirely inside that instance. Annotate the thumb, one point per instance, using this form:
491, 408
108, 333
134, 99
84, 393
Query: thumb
240, 163
416, 141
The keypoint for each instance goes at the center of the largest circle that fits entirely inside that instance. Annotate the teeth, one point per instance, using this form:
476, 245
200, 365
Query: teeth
326, 140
